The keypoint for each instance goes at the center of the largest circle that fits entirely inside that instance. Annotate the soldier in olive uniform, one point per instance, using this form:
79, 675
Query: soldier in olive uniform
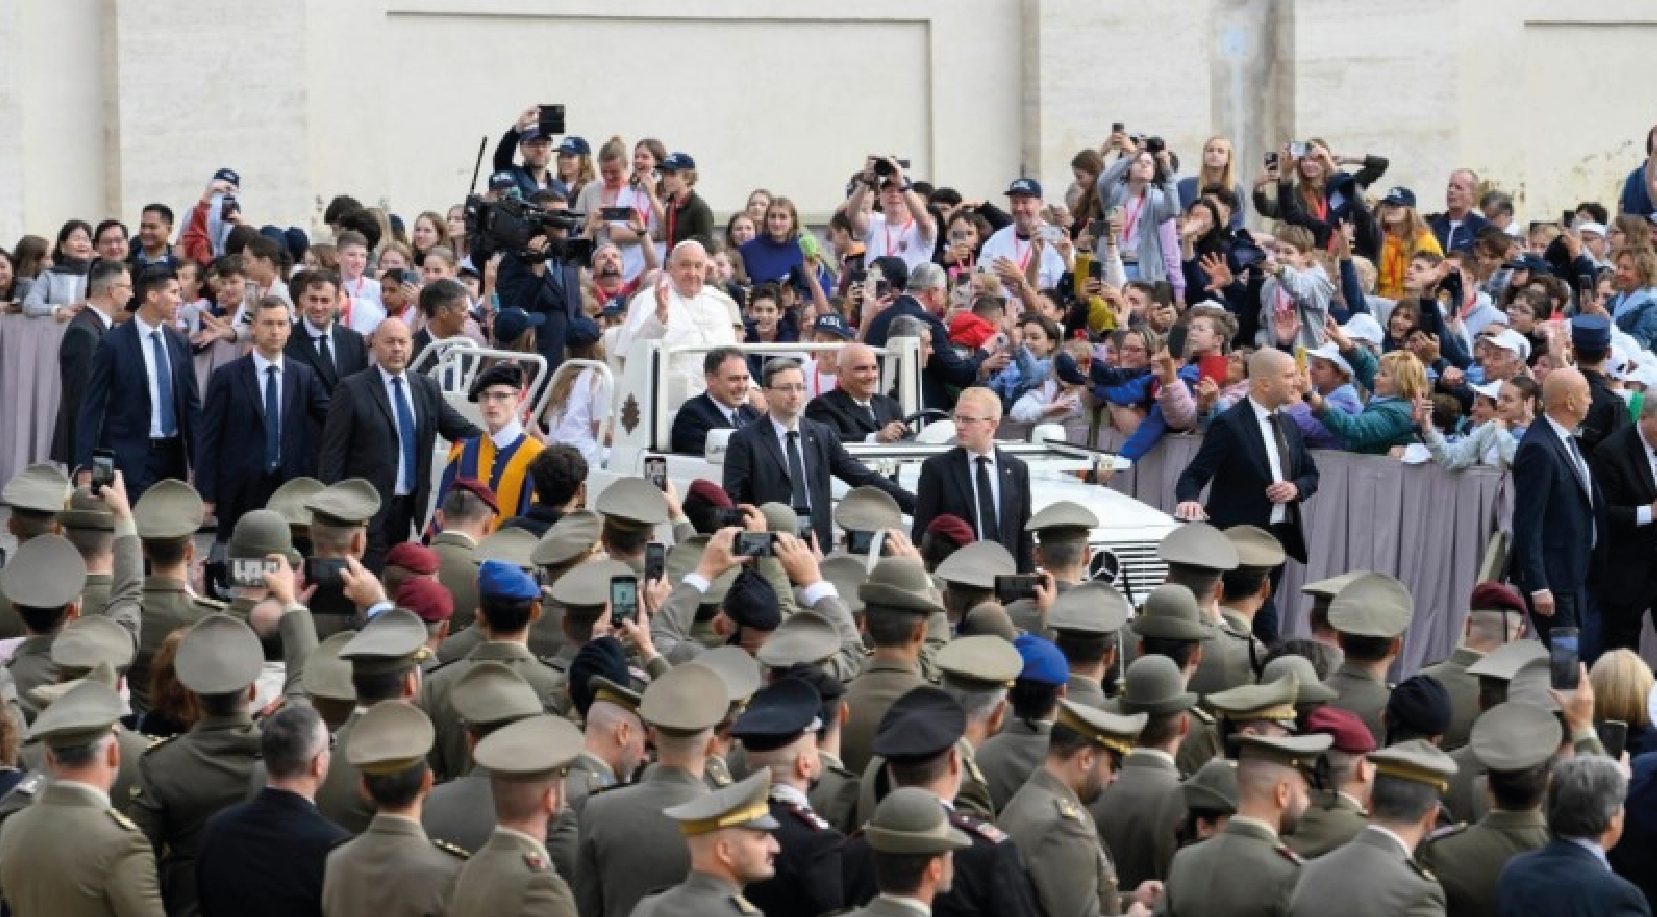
96, 649
289, 501
626, 845
1495, 617
1370, 616
967, 578
569, 542
340, 516
168, 516
728, 833
1062, 531
72, 854
897, 599
1323, 593
613, 742
1210, 800
89, 524
326, 682
35, 495
1247, 589
1197, 555
1516, 742
1246, 869
1170, 624
471, 504
801, 648
741, 676
1048, 817
1310, 692
487, 698
1139, 814
391, 869
911, 844
1337, 812
1376, 874
1086, 624
513, 873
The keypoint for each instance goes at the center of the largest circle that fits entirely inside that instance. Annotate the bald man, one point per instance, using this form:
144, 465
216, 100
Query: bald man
978, 482
1558, 514
1258, 466
855, 410
383, 425
679, 309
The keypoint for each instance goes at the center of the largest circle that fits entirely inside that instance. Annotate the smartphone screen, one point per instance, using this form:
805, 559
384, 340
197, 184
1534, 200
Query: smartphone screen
655, 471
859, 542
324, 571
1564, 667
883, 289
753, 544
1096, 270
249, 571
655, 561
103, 469
802, 525
624, 599
1012, 588
1613, 734
616, 214
1271, 160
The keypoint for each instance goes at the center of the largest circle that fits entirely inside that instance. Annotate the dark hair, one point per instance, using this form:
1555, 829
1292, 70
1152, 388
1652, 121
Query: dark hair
619, 540
68, 229
398, 790
935, 549
919, 771
777, 366
1159, 728
1321, 655
288, 740
102, 273
557, 474
225, 703
715, 358
1365, 649
1242, 582
1596, 210
441, 294
841, 222
463, 505
363, 223
29, 255
108, 224
80, 754
1178, 650
506, 616
578, 621
261, 246
42, 620
761, 291
1395, 799
338, 207
1083, 648
226, 265
373, 687
165, 552
1033, 700
889, 626
161, 210
317, 277
1518, 791
901, 873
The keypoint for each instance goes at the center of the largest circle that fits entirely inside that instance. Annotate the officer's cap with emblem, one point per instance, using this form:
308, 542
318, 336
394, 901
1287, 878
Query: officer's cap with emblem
923, 723
170, 509
1200, 545
1299, 752
348, 503
1373, 605
632, 503
899, 584
219, 655
984, 661
1115, 731
490, 694
1417, 761
1505, 661
1515, 736
1170, 613
688, 699
46, 572
291, 501
804, 636
911, 821
977, 565
392, 641
1346, 731
848, 574
1063, 518
1271, 701
745, 804
510, 545
261, 533
1089, 608
84, 714
1293, 665
737, 670
1213, 788
326, 676
571, 537
1155, 685
390, 738
87, 513
40, 488
588, 584
536, 747
778, 715
868, 509
90, 640
1257, 549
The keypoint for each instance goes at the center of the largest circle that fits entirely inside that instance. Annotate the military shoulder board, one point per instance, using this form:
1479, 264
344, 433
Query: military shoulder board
1422, 871
812, 819
1448, 831
157, 743
451, 849
535, 862
210, 604
981, 828
1066, 809
1287, 854
1202, 715
744, 905
28, 786
122, 820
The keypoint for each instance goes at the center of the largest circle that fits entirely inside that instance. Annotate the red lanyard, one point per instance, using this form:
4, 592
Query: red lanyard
672, 219
1023, 259
902, 228
1132, 218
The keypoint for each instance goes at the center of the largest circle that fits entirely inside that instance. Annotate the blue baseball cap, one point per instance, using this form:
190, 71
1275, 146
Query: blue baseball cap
502, 180
833, 324
1043, 663
498, 579
1399, 196
581, 330
510, 324
531, 133
617, 306
1024, 187
575, 146
676, 162
228, 175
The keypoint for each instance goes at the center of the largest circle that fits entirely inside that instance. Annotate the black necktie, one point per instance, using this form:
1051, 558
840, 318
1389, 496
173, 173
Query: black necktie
327, 355
989, 529
273, 421
1282, 444
796, 470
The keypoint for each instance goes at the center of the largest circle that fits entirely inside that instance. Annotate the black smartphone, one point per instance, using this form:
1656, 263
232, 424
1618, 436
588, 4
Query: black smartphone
859, 542
1117, 127
655, 471
729, 517
1271, 160
227, 206
1587, 292
1011, 588
624, 599
1564, 662
1613, 734
1176, 340
655, 561
616, 214
551, 120
324, 571
1565, 219
103, 468
754, 544
883, 288
1096, 270
247, 572
802, 524
856, 276
796, 276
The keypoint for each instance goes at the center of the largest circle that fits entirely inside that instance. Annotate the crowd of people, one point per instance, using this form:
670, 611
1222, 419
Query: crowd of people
473, 685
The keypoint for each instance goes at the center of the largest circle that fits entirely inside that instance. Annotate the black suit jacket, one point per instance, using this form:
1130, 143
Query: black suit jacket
946, 487
1233, 457
75, 353
756, 471
266, 857
360, 440
1562, 878
115, 412
1554, 518
349, 350
1623, 470
852, 423
230, 461
699, 415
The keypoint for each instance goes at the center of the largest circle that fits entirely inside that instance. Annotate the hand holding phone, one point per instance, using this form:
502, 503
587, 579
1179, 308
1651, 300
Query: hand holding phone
103, 468
1011, 588
1564, 669
655, 471
624, 599
655, 561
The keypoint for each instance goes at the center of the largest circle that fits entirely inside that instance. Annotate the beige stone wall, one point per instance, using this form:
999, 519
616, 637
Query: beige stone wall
109, 104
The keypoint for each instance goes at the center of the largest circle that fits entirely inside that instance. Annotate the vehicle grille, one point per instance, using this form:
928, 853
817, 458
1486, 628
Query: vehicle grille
1142, 569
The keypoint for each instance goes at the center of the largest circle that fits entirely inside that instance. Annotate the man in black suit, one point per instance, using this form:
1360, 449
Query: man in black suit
1570, 875
382, 426
723, 406
267, 855
257, 422
926, 299
1558, 514
1259, 467
142, 401
855, 410
1623, 466
331, 350
978, 482
785, 457
108, 286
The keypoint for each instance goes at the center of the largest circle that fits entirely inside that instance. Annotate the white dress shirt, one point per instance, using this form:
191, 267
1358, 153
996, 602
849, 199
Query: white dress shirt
146, 334
782, 443
700, 320
1262, 417
261, 372
391, 395
995, 487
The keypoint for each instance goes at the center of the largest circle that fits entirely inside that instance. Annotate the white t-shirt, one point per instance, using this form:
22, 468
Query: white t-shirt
884, 238
363, 311
1005, 243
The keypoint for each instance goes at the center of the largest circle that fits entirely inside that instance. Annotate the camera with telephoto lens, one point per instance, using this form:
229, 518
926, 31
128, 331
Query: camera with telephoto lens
508, 225
883, 165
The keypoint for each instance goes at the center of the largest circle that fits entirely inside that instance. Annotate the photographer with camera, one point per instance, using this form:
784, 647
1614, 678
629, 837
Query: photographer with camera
536, 146
903, 227
1140, 185
544, 274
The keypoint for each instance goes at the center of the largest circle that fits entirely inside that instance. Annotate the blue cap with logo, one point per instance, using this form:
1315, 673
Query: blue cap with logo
532, 133
575, 146
1399, 196
502, 180
1043, 663
1024, 187
676, 162
832, 323
229, 175
498, 579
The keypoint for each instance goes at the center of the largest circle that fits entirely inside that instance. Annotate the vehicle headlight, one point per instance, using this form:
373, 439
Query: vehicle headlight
1105, 567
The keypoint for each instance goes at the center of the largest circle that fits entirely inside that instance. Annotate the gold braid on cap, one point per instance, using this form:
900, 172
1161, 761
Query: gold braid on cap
1411, 772
735, 818
1071, 721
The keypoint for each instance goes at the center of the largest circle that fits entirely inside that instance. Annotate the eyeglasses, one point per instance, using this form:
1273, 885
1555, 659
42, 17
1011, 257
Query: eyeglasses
962, 419
795, 387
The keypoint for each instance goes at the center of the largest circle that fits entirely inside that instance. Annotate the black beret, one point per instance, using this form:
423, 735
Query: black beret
752, 602
1420, 705
921, 724
500, 374
601, 658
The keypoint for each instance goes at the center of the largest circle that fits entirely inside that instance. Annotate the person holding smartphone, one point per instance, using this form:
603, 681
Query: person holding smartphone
1017, 244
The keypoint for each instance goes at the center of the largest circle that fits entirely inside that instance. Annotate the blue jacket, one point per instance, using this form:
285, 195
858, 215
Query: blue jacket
767, 260
1636, 198
1465, 233
1634, 853
1133, 387
1565, 880
1636, 315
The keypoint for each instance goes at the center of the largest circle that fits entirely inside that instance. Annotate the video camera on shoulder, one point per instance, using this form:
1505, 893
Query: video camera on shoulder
508, 226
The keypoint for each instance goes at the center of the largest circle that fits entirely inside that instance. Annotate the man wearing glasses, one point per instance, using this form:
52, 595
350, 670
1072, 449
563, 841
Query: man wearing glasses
786, 457
978, 482
108, 287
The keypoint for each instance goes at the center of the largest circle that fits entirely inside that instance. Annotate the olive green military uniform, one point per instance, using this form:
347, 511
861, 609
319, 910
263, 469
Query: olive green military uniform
40, 490
1371, 605
512, 874
1465, 799
461, 812
339, 798
867, 698
449, 756
836, 793
1371, 876
1241, 628
1332, 819
1139, 813
1360, 692
1008, 758
700, 895
1202, 744
744, 806
31, 667
1225, 661
909, 823
1464, 693
587, 775
392, 869
1244, 871
1068, 867
1026, 616
973, 798
457, 570
167, 607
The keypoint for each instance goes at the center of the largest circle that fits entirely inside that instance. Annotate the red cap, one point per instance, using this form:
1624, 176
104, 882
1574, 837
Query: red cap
427, 598
414, 557
710, 493
1349, 732
952, 527
480, 489
1497, 597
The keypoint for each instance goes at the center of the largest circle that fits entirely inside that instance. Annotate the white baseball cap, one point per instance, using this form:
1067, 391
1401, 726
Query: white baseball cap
1363, 327
1512, 342
1489, 390
1331, 351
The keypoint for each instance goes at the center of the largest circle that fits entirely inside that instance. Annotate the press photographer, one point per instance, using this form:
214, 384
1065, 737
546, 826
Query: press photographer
542, 251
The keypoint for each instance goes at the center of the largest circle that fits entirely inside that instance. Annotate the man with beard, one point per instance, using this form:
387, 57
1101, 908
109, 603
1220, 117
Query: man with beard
606, 271
1246, 869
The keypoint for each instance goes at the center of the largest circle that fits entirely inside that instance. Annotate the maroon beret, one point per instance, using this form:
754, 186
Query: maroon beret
1497, 597
414, 557
710, 493
427, 598
480, 489
1348, 731
952, 527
